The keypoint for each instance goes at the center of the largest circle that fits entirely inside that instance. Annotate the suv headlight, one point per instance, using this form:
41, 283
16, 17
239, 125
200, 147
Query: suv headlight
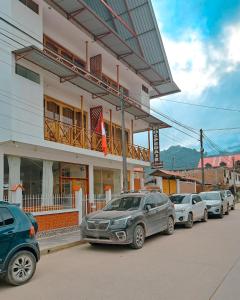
121, 223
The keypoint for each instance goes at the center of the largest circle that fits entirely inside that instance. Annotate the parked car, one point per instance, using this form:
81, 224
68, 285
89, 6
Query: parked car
129, 219
189, 208
19, 250
230, 198
216, 203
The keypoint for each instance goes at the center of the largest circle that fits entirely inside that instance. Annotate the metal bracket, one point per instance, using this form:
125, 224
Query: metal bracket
124, 55
75, 13
141, 117
94, 96
125, 106
67, 78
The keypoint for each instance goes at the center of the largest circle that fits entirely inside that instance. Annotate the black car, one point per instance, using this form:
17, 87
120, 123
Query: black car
19, 250
129, 219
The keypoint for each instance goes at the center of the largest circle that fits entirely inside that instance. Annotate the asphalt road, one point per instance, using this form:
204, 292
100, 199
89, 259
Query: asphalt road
198, 263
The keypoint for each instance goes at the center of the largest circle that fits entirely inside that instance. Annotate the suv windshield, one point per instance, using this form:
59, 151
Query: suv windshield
180, 199
125, 203
210, 196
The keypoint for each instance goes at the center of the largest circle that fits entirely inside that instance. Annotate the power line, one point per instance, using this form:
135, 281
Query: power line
202, 105
222, 129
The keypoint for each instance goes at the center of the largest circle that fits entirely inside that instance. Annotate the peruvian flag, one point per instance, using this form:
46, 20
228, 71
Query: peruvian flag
104, 136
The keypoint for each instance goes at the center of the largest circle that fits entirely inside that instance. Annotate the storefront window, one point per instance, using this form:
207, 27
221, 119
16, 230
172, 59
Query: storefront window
107, 178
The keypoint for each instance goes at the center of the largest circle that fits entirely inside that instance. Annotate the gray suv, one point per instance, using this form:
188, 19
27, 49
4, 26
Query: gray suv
130, 218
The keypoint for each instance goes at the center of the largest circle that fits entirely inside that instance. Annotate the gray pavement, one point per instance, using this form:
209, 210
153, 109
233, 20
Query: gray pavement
193, 264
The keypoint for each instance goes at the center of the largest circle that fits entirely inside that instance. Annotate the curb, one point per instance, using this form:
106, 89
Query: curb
61, 247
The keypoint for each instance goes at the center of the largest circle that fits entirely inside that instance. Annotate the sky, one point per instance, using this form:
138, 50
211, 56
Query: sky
202, 43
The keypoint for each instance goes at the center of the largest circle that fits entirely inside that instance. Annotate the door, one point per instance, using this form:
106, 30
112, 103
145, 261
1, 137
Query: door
162, 212
6, 232
151, 215
96, 65
198, 207
195, 208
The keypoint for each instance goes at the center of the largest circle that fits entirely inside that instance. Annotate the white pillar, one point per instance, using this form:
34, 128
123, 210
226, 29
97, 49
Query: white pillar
159, 183
108, 195
121, 180
178, 186
17, 196
132, 188
91, 182
79, 205
14, 163
47, 183
195, 187
1, 174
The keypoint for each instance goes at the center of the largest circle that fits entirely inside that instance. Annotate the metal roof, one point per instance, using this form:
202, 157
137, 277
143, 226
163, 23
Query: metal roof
57, 65
128, 28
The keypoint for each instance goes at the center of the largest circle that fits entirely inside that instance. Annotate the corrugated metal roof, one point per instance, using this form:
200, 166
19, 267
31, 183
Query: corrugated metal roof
215, 161
148, 56
51, 62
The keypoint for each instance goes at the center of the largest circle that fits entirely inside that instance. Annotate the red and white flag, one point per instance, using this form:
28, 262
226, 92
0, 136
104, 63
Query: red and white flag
104, 137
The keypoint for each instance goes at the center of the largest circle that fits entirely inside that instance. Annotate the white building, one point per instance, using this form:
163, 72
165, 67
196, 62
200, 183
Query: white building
63, 63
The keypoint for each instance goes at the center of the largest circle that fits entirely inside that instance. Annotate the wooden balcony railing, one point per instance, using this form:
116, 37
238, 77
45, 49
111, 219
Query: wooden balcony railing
73, 135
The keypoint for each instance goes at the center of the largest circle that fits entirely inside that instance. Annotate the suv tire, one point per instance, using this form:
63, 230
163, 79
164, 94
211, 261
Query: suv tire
205, 216
21, 268
227, 211
170, 226
138, 237
233, 206
221, 213
189, 223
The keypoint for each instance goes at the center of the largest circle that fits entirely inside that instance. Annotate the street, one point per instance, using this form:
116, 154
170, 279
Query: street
199, 263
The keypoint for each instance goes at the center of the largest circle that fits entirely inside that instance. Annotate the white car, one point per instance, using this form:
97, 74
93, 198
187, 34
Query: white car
217, 204
189, 208
230, 198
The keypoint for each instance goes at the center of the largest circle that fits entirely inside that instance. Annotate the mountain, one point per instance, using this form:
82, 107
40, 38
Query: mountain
177, 157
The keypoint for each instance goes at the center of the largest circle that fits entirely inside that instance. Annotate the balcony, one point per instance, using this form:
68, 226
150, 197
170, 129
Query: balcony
74, 135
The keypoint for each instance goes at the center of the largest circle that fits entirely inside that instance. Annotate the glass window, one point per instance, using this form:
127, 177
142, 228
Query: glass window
24, 72
180, 199
196, 198
6, 216
31, 4
150, 200
52, 110
31, 175
1, 219
124, 203
67, 116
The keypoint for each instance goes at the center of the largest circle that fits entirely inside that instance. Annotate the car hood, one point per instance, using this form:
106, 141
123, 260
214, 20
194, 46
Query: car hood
181, 206
113, 214
212, 202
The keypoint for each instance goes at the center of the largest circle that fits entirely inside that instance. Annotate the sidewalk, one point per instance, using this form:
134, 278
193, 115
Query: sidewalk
59, 242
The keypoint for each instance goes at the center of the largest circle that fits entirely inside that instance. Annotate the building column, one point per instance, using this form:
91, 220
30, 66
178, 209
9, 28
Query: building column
132, 188
121, 180
91, 182
178, 186
47, 183
159, 183
14, 163
1, 174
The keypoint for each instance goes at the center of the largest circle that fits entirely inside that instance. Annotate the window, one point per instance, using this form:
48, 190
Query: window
24, 72
145, 89
6, 217
160, 200
150, 201
196, 198
31, 4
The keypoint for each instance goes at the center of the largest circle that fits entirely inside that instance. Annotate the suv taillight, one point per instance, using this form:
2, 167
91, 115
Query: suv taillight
32, 232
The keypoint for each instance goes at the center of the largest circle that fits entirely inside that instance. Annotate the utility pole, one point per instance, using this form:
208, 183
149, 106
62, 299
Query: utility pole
234, 176
124, 159
202, 163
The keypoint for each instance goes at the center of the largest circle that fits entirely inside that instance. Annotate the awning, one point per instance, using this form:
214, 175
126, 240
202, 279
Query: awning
66, 71
149, 61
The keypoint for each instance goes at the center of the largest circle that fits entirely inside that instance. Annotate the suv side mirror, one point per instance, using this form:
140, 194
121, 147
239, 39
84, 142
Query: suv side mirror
194, 202
147, 207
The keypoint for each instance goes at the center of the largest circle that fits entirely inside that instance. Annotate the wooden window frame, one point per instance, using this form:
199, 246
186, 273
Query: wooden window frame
116, 126
62, 105
61, 50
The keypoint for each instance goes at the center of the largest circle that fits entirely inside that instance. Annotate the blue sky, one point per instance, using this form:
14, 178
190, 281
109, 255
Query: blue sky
202, 43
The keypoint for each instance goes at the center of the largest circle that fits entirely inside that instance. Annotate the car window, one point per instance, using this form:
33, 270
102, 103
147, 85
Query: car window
196, 198
161, 199
229, 193
150, 200
6, 217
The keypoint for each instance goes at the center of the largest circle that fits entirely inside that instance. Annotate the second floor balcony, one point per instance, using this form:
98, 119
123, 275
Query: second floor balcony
73, 135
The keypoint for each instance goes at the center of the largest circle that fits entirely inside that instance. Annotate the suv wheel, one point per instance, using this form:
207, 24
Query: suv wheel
233, 206
189, 223
21, 268
138, 237
227, 211
205, 216
221, 213
170, 226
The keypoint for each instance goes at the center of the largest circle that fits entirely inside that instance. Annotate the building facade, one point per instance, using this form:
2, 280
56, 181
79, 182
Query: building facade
66, 69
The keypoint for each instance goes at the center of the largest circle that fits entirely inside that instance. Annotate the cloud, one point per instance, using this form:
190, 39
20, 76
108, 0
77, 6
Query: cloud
198, 64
